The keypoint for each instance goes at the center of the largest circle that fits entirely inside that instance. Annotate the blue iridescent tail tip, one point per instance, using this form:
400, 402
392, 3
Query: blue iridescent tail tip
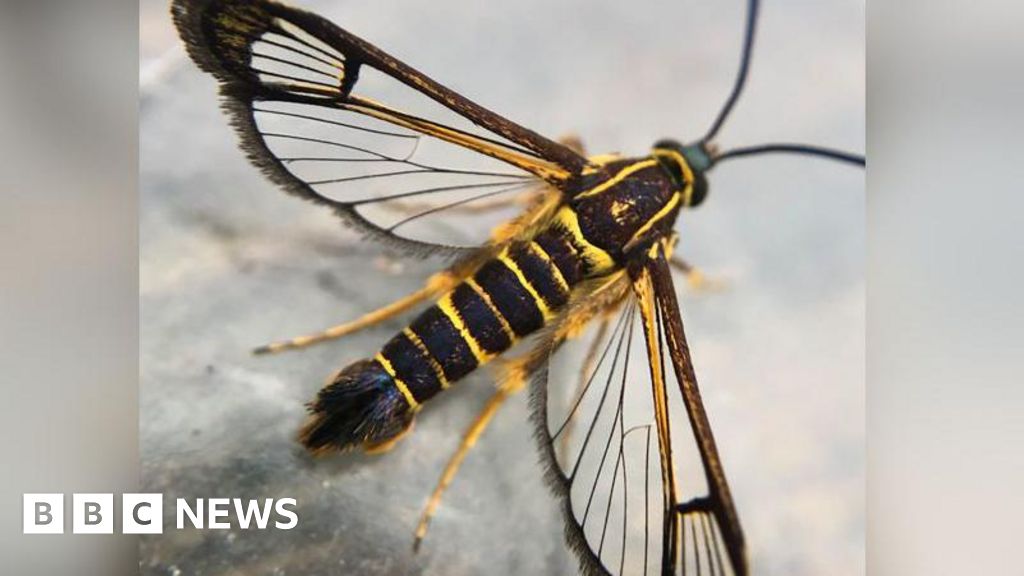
362, 406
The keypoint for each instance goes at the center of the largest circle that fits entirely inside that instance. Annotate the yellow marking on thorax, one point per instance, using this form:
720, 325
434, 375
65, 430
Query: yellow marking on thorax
541, 305
619, 177
490, 304
665, 210
600, 260
448, 308
398, 381
438, 370
539, 251
687, 172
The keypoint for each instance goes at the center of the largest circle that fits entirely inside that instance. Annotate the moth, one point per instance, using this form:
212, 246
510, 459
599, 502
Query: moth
587, 253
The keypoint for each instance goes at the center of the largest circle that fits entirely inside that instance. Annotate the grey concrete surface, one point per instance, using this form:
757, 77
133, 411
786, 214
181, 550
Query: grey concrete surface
228, 262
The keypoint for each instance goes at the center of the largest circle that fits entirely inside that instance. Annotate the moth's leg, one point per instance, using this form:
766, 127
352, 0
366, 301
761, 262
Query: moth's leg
435, 286
515, 373
695, 277
573, 142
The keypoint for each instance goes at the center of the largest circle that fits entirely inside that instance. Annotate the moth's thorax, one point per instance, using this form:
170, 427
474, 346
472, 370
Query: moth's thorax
623, 205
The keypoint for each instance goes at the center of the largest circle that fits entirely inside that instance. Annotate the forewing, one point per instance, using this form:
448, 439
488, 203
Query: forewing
308, 100
642, 491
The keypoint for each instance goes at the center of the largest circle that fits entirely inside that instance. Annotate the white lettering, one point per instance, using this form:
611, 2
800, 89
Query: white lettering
280, 507
218, 508
253, 510
184, 509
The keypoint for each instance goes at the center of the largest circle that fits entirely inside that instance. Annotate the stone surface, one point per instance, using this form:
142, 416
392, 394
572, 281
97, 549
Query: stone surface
228, 263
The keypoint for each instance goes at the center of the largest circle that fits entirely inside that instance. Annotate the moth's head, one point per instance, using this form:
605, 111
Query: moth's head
686, 163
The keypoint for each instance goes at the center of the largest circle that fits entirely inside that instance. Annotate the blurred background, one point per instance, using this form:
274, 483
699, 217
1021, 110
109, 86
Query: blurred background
68, 272
943, 393
229, 262
945, 288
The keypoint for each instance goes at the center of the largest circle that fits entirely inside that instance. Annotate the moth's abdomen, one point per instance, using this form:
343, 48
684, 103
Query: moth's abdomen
372, 402
508, 298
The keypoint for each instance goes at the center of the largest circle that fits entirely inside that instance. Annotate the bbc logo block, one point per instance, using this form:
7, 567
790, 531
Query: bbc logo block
43, 513
142, 513
92, 514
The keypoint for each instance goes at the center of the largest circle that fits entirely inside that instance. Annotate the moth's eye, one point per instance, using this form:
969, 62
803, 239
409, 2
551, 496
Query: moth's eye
700, 190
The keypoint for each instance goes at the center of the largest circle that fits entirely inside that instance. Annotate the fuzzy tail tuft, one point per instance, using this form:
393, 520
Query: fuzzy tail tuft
362, 406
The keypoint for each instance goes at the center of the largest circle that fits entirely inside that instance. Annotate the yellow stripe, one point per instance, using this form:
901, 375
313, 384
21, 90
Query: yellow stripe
622, 175
644, 290
448, 307
398, 381
688, 195
438, 370
600, 260
687, 172
668, 207
490, 304
544, 310
539, 251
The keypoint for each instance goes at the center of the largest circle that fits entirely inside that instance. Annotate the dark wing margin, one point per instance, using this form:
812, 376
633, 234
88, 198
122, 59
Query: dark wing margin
641, 492
287, 77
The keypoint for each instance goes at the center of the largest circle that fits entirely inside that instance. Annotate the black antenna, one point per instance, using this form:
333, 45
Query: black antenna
737, 88
829, 153
741, 78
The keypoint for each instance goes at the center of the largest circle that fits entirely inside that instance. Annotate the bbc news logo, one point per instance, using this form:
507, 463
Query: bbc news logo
143, 513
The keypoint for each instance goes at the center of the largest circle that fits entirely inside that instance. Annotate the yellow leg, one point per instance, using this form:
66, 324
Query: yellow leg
437, 284
513, 381
574, 143
695, 278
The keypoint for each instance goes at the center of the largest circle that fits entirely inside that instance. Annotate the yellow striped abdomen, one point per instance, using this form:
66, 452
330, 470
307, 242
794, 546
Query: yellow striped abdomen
508, 298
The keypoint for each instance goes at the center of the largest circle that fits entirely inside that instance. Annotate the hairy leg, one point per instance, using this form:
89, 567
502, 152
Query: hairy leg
695, 277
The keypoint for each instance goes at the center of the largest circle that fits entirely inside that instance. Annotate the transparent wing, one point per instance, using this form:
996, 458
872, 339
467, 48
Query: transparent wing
308, 101
642, 492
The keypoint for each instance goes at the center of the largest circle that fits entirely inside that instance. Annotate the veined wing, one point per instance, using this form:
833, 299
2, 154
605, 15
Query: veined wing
643, 492
307, 98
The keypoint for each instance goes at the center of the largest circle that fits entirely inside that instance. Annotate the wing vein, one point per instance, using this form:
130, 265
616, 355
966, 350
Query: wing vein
454, 204
291, 63
334, 122
337, 64
276, 27
590, 380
